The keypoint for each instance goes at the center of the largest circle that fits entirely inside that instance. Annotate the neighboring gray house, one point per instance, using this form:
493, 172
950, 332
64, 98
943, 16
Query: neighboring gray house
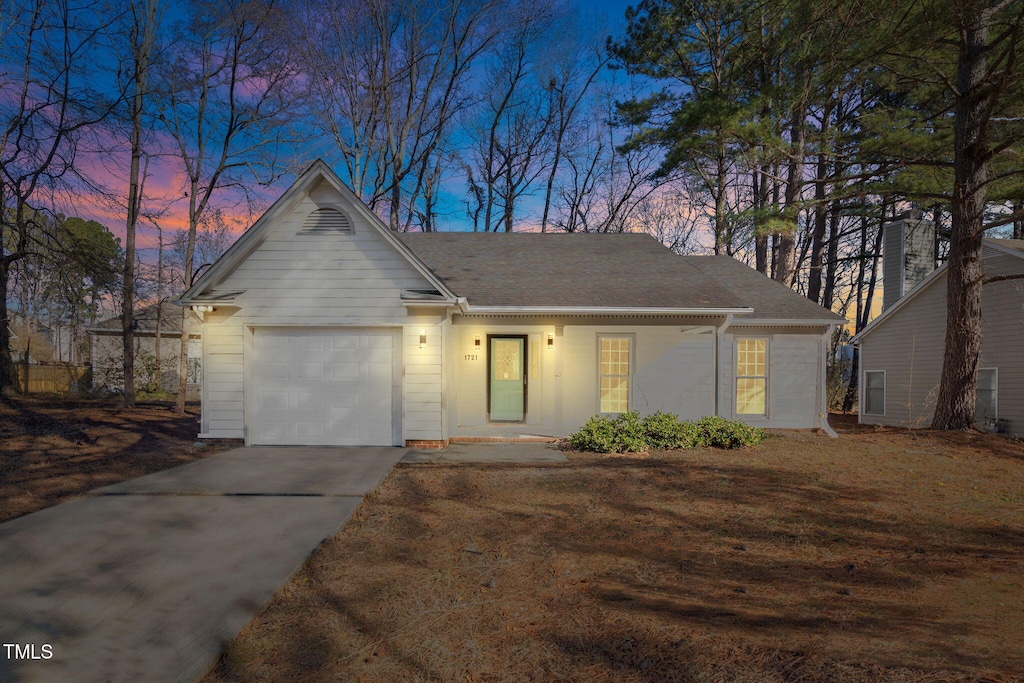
107, 350
902, 349
323, 327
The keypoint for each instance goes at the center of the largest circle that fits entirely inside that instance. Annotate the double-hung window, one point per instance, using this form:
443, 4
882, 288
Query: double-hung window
615, 369
752, 377
874, 392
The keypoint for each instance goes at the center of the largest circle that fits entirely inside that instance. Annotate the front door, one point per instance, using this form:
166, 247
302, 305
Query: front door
507, 384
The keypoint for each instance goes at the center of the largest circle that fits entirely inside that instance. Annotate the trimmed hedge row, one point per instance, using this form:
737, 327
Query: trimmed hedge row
627, 433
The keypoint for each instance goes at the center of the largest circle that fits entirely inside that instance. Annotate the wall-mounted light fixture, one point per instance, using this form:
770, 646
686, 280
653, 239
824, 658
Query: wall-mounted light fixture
551, 341
476, 341
203, 308
423, 339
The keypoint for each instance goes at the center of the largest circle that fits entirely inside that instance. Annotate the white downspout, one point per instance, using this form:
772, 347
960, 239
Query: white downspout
823, 415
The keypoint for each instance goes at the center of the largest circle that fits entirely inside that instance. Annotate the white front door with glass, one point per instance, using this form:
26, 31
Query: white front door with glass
507, 379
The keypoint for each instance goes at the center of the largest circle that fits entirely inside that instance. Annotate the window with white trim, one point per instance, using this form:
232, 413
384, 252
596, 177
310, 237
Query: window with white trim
986, 404
751, 376
615, 367
874, 392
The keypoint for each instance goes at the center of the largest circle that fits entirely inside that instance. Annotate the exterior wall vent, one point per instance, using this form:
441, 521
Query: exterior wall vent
327, 220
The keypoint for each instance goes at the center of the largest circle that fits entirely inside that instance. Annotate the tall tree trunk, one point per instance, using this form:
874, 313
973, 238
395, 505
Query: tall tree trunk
761, 204
785, 270
190, 250
864, 312
721, 179
832, 256
1018, 225
144, 31
7, 371
814, 278
954, 408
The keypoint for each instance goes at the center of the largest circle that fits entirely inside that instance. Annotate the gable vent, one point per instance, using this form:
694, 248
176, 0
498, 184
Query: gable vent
327, 220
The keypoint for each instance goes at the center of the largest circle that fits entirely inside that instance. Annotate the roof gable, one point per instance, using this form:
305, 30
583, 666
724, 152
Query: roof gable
204, 289
1011, 247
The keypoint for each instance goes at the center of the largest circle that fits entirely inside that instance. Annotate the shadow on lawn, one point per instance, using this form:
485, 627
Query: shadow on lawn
631, 570
53, 449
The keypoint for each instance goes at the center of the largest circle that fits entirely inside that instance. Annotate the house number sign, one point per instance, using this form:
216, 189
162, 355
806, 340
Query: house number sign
472, 356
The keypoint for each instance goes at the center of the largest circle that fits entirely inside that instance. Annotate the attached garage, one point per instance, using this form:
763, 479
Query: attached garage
324, 387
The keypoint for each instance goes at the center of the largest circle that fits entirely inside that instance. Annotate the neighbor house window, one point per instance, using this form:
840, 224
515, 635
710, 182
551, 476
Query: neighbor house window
616, 368
986, 403
874, 392
751, 376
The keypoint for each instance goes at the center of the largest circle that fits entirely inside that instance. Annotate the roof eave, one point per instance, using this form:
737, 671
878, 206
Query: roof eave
789, 322
471, 309
427, 303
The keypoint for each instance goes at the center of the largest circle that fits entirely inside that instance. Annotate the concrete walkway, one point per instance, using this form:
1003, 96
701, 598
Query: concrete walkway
147, 580
484, 452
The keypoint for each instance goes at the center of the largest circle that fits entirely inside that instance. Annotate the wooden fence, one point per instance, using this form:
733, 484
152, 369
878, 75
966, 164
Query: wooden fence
52, 379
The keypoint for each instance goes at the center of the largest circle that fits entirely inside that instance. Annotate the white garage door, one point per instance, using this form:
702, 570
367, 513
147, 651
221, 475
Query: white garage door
321, 388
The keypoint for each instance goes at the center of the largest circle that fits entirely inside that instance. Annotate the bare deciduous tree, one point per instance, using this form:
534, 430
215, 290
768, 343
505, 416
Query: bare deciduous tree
48, 105
227, 104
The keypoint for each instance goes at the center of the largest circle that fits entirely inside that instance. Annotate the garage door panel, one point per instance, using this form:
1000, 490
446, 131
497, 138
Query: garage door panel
272, 370
309, 370
322, 387
273, 400
345, 370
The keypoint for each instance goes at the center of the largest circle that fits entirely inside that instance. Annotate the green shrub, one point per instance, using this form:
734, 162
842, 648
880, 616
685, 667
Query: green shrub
692, 436
719, 432
627, 433
664, 431
597, 435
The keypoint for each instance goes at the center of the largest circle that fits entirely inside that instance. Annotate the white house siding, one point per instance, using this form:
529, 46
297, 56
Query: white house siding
794, 376
223, 405
909, 346
316, 280
673, 372
423, 418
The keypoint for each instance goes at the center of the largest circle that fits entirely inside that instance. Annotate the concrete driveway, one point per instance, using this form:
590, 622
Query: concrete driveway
148, 579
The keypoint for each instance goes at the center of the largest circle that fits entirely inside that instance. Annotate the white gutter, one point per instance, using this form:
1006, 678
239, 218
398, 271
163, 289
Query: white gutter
595, 310
427, 303
785, 322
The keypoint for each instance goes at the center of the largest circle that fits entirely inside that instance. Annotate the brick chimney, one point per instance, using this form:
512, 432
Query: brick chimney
908, 255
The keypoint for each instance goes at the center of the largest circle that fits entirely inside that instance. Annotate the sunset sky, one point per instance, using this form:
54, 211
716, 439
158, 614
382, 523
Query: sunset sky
167, 202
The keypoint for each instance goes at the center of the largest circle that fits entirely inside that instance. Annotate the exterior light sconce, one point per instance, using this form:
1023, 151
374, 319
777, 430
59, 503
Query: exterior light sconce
423, 339
476, 341
203, 308
551, 341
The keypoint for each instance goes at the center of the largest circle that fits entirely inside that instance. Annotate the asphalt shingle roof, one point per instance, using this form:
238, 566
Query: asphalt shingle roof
768, 298
1018, 245
620, 270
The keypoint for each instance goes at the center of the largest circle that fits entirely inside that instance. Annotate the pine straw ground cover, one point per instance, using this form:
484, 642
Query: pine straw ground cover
54, 449
883, 556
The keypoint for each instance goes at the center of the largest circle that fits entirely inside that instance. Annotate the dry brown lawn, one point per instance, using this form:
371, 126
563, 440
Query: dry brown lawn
883, 556
52, 449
